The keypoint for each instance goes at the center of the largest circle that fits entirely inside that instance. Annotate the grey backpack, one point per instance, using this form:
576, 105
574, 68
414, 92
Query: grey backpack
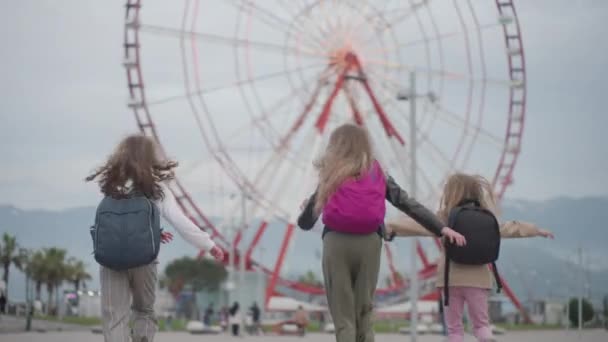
126, 233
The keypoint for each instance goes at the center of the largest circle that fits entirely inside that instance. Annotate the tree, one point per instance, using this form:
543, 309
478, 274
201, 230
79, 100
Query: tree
55, 271
35, 269
310, 278
76, 273
200, 275
588, 312
195, 274
10, 254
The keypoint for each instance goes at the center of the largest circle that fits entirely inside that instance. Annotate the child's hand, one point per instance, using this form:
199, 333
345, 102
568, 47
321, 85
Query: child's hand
388, 233
166, 237
217, 253
453, 236
546, 234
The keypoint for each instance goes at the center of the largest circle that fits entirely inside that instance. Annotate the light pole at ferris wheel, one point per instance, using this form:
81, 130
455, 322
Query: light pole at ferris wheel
411, 96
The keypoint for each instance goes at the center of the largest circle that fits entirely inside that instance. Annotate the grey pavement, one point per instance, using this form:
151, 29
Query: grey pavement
537, 336
12, 324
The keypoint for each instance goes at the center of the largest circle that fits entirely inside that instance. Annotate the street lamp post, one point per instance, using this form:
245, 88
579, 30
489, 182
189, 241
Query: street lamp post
413, 189
242, 266
412, 96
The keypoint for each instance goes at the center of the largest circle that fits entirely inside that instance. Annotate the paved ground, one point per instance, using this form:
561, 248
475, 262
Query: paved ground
11, 324
542, 336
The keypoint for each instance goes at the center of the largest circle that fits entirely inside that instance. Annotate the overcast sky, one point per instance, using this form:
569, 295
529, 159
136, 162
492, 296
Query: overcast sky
63, 102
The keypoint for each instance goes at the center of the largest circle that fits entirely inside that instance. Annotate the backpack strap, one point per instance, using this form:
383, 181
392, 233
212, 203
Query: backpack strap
497, 278
446, 280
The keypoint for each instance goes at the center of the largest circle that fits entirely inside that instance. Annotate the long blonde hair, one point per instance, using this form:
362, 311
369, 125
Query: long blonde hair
349, 154
459, 187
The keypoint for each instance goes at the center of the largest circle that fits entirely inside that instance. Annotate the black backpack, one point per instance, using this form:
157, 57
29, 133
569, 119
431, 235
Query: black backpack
482, 232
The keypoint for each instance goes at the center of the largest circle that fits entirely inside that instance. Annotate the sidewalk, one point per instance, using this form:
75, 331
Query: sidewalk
12, 324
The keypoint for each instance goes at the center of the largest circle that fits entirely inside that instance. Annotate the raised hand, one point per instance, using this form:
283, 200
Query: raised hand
453, 236
166, 237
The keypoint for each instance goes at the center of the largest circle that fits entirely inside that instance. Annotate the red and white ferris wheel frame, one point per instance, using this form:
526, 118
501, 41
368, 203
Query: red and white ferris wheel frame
502, 179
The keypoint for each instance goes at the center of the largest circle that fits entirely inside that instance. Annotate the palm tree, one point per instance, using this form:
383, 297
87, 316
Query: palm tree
10, 254
54, 271
76, 273
35, 269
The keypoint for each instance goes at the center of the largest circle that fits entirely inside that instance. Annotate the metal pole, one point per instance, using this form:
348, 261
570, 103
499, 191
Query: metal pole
231, 259
28, 306
580, 294
413, 192
567, 313
242, 261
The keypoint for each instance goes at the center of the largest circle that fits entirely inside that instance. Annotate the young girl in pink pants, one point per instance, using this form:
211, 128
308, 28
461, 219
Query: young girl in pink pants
468, 284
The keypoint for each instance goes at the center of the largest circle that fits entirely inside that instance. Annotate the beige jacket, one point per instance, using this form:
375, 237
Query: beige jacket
466, 275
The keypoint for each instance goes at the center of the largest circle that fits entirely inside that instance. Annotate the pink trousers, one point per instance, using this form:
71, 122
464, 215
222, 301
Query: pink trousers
477, 305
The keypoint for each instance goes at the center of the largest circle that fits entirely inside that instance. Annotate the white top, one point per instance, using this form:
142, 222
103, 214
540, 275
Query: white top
170, 211
236, 318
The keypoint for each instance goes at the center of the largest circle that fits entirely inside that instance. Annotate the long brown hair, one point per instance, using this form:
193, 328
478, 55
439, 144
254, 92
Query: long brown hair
135, 159
349, 154
461, 187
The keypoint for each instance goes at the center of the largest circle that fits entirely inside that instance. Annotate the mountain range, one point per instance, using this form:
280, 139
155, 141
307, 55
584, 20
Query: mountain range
535, 268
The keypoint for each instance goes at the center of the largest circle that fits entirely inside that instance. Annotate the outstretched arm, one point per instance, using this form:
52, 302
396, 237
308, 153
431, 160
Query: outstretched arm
516, 229
308, 217
171, 212
407, 227
402, 201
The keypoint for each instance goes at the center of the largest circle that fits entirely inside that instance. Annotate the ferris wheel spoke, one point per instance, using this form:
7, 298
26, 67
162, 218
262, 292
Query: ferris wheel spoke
456, 120
446, 35
432, 188
446, 74
480, 28
319, 34
280, 151
210, 90
274, 21
273, 110
230, 41
470, 86
271, 177
482, 96
400, 16
436, 151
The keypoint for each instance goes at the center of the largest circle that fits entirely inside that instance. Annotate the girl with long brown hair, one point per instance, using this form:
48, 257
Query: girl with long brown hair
468, 284
135, 167
351, 198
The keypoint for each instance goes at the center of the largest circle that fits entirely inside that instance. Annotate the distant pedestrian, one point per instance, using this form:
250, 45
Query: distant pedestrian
235, 319
255, 318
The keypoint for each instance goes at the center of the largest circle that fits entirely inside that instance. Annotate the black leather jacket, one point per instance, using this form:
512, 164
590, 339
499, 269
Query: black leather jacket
396, 196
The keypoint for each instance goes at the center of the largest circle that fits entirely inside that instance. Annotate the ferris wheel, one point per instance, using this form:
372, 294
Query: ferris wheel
248, 92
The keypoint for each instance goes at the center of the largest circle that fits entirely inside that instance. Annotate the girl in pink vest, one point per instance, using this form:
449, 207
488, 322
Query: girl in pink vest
351, 197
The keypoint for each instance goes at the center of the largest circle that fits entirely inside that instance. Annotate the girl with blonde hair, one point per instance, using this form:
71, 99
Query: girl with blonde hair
351, 198
468, 284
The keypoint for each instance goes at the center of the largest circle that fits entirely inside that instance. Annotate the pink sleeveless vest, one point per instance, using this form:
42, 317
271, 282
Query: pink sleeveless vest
358, 206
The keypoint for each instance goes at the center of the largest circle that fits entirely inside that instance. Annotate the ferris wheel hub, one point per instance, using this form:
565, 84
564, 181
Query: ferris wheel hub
343, 57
